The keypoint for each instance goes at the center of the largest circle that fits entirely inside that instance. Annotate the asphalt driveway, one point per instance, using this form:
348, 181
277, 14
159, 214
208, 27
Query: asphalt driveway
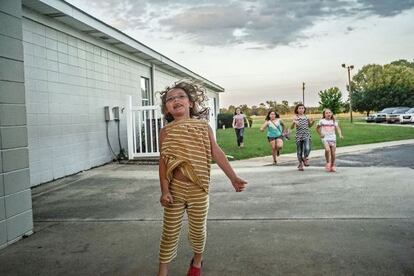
107, 221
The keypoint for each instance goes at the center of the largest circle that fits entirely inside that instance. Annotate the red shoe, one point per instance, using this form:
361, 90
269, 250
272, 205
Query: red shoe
194, 271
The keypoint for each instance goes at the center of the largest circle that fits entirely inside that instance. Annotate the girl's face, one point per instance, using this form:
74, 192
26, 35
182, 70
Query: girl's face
238, 111
328, 114
272, 115
301, 110
177, 103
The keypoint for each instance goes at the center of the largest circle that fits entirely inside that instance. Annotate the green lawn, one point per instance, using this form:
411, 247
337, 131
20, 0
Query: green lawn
256, 143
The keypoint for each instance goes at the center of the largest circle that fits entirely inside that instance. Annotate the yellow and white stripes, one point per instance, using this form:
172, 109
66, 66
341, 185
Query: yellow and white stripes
187, 147
186, 195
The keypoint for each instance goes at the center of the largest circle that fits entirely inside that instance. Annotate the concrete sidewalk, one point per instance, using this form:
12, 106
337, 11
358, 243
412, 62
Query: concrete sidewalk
291, 157
107, 221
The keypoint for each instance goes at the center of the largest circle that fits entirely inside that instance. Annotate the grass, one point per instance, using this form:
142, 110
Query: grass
256, 144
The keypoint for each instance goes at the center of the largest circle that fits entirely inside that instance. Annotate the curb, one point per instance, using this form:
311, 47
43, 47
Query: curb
289, 157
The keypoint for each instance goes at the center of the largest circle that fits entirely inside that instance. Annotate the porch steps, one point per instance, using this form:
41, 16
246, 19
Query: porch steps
142, 161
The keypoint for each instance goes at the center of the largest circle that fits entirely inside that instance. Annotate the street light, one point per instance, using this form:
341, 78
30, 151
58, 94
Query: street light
303, 93
349, 68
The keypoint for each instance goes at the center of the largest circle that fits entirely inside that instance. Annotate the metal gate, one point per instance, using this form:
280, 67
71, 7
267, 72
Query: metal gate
143, 128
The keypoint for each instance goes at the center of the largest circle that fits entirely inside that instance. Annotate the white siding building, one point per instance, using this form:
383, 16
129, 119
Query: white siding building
71, 66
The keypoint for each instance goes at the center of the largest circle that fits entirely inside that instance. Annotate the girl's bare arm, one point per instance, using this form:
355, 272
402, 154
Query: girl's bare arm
318, 130
247, 121
311, 122
262, 128
338, 129
283, 125
224, 164
166, 197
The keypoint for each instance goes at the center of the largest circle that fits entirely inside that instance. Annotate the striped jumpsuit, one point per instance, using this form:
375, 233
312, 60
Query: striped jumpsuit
187, 148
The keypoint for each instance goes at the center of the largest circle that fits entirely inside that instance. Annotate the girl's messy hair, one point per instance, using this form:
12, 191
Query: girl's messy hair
323, 114
268, 115
235, 110
196, 94
297, 107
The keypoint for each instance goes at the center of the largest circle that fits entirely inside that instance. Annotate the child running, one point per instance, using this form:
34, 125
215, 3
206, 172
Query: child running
326, 130
187, 146
275, 130
303, 137
238, 125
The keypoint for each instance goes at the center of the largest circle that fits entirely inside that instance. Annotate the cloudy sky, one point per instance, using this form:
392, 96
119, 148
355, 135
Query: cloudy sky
262, 50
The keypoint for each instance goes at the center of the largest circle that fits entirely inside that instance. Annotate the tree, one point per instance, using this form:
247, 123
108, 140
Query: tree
231, 109
399, 83
245, 109
367, 88
376, 87
271, 104
403, 62
331, 98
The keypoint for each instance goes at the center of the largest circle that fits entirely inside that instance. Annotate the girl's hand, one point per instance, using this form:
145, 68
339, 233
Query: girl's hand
238, 184
340, 136
166, 199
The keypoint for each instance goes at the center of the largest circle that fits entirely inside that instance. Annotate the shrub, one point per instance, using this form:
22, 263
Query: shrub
225, 119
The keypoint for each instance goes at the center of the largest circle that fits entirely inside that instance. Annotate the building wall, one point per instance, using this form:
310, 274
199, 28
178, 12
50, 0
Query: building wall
16, 217
162, 80
70, 77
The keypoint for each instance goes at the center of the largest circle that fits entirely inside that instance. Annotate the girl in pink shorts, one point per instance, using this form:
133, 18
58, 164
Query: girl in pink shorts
326, 129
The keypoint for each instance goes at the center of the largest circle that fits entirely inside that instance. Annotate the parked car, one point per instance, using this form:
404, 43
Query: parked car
407, 117
381, 116
371, 118
394, 117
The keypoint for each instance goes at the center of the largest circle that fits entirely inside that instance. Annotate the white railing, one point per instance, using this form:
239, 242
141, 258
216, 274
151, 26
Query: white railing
143, 128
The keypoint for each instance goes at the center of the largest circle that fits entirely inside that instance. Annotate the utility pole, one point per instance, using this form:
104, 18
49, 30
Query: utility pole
349, 68
303, 93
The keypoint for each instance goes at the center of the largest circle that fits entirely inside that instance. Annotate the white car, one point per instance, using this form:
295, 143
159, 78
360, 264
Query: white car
371, 118
407, 117
394, 117
382, 116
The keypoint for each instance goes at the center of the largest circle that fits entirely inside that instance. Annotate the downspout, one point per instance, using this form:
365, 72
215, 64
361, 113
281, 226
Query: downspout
152, 81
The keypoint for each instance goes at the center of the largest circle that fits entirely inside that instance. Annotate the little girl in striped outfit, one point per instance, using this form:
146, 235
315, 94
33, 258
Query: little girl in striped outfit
303, 137
187, 146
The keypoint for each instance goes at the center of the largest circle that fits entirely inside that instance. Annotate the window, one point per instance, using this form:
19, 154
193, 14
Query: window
146, 94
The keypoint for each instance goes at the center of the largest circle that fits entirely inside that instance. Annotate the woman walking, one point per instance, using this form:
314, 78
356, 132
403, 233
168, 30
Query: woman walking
238, 125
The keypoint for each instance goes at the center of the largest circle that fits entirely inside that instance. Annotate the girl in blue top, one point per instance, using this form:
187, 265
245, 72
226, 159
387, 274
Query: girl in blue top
275, 130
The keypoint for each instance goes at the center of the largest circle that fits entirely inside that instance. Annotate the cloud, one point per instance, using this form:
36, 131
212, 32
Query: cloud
386, 8
258, 24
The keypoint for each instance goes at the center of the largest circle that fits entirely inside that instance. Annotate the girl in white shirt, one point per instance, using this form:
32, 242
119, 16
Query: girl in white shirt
326, 130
